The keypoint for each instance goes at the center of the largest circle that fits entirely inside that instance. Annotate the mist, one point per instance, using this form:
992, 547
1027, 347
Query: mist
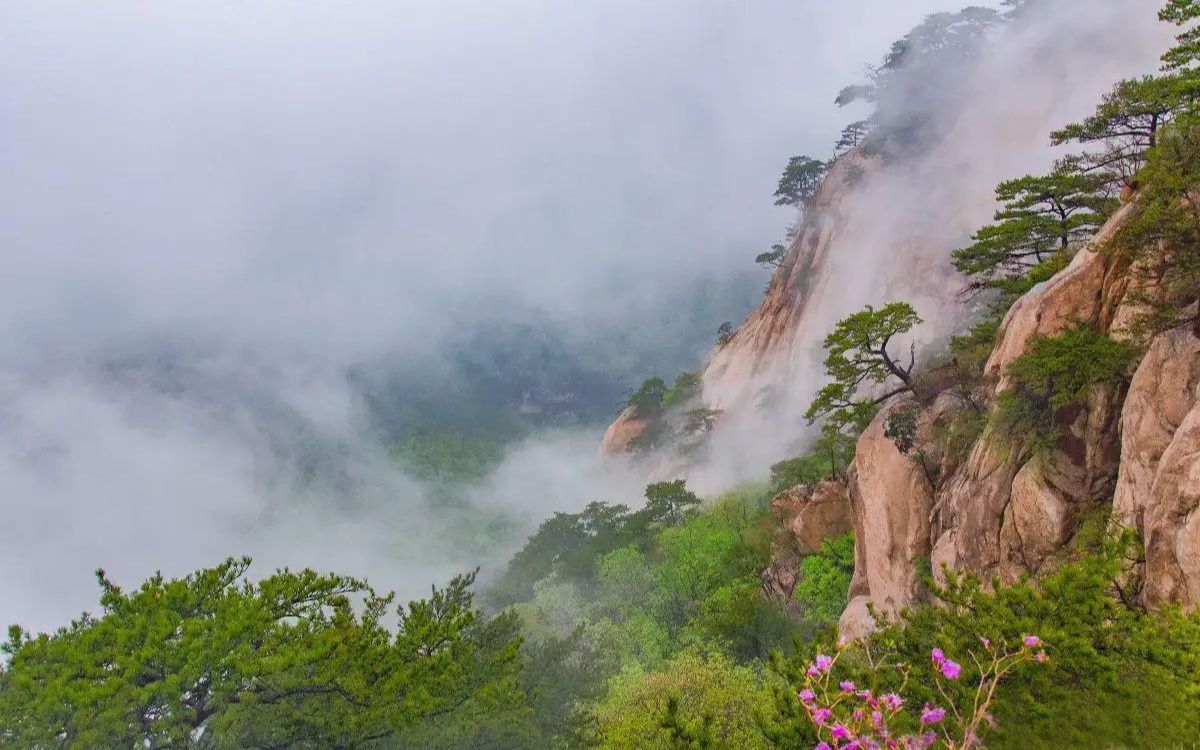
987, 113
210, 212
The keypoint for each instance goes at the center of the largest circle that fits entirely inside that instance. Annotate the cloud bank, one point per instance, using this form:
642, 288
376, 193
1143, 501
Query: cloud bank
209, 211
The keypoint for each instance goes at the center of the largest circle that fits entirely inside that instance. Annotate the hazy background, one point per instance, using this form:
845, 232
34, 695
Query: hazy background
213, 213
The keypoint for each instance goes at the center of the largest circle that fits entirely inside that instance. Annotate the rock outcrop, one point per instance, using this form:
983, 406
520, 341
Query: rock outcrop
892, 499
1004, 511
806, 516
627, 428
1158, 489
744, 364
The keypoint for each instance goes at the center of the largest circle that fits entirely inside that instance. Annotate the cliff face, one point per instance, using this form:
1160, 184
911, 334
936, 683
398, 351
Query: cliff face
753, 358
1129, 456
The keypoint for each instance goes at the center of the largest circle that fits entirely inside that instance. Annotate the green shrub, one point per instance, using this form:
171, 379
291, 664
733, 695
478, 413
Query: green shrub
823, 590
1056, 373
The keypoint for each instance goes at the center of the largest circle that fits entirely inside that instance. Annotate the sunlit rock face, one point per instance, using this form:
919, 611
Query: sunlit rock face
624, 430
1158, 489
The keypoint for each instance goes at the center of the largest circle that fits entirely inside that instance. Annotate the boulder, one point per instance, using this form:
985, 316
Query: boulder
627, 427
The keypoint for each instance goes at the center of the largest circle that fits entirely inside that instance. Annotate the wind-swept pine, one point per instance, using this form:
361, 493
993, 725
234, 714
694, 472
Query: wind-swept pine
800, 181
861, 365
852, 135
1126, 124
773, 258
1043, 217
1162, 240
1186, 52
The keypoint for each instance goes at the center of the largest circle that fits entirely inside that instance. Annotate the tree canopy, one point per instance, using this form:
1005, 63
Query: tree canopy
800, 181
1127, 124
1040, 216
858, 359
212, 660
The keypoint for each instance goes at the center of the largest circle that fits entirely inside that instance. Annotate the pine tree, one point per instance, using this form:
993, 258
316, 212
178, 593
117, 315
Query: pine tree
800, 181
1127, 124
858, 358
1042, 216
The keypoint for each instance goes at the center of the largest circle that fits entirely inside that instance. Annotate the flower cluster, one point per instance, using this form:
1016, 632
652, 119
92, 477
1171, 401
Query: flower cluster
848, 717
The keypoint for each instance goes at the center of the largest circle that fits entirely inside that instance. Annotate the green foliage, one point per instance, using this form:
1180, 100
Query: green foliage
800, 181
773, 258
1041, 217
1134, 675
824, 588
1056, 373
1162, 240
830, 455
685, 388
647, 399
852, 135
447, 458
1127, 124
670, 501
631, 717
858, 356
1117, 676
289, 661
1186, 52
567, 546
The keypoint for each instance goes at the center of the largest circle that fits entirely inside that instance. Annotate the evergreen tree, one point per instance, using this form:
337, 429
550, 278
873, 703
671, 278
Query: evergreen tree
212, 660
773, 258
1041, 216
1126, 124
800, 181
852, 135
1162, 240
1186, 52
858, 358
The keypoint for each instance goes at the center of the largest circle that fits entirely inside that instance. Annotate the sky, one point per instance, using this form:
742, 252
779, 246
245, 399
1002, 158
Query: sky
209, 210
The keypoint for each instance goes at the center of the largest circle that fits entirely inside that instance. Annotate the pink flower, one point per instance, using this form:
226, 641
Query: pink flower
858, 714
821, 715
822, 746
807, 695
932, 715
1041, 657
813, 671
892, 702
839, 732
929, 738
847, 686
986, 643
877, 719
1032, 641
824, 663
951, 669
843, 641
938, 656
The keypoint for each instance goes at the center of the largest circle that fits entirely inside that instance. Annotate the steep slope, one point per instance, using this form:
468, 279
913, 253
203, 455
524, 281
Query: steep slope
1129, 457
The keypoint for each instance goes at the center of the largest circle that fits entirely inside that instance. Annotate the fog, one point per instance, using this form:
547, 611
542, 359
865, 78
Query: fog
209, 211
987, 114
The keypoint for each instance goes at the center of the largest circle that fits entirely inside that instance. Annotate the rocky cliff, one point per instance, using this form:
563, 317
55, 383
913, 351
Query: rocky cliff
1128, 457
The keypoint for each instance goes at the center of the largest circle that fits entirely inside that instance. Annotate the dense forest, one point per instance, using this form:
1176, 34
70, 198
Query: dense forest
650, 627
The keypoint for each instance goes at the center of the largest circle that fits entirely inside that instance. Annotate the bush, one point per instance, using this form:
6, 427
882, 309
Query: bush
630, 716
1056, 373
824, 589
